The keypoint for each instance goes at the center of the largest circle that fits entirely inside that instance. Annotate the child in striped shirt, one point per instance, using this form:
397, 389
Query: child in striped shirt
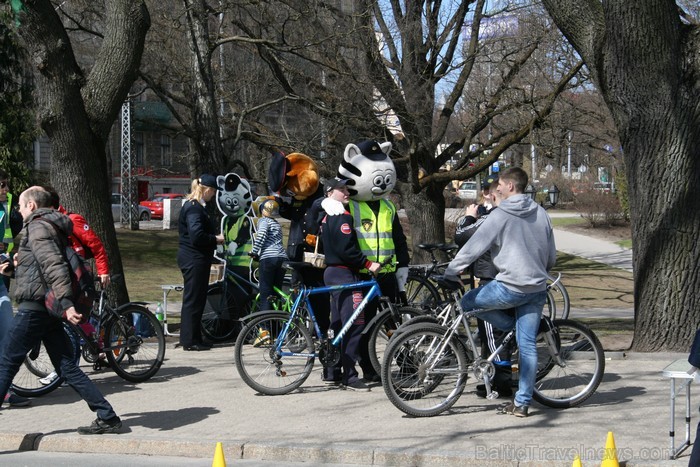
269, 251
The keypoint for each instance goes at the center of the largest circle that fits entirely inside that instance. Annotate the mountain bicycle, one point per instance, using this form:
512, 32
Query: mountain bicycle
426, 364
232, 297
129, 339
275, 351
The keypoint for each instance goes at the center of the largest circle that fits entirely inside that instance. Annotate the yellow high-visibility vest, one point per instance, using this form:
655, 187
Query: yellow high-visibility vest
8, 238
374, 232
233, 234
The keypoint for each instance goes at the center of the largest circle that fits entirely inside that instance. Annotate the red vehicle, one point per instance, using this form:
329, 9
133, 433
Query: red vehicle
155, 204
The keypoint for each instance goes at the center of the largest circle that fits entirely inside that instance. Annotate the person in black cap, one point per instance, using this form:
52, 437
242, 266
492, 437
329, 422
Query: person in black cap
485, 271
344, 260
197, 242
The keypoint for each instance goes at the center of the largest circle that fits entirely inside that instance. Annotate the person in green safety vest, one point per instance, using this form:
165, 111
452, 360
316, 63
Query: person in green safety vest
371, 176
10, 218
234, 200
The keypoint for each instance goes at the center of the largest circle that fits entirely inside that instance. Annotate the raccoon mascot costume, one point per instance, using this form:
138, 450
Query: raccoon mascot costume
371, 176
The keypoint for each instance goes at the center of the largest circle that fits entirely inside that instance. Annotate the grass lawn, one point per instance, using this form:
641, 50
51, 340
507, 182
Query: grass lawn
149, 258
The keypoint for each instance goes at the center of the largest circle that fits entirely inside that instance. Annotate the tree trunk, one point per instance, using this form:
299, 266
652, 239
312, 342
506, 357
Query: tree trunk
426, 218
210, 155
77, 112
645, 61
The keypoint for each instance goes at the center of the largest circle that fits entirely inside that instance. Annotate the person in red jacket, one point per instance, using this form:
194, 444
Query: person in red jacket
84, 240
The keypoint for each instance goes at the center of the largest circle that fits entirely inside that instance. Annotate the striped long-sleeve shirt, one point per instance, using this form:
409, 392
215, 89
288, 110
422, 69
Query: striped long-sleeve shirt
268, 239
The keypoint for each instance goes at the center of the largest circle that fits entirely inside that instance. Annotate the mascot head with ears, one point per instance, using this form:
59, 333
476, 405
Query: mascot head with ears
370, 172
234, 198
294, 175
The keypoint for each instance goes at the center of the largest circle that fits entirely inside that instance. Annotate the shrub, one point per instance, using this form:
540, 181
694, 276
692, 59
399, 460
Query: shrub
599, 209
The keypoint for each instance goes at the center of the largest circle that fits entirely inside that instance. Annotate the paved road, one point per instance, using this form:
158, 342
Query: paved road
198, 399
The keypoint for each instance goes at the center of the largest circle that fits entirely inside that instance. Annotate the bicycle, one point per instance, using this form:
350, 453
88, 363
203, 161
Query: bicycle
220, 319
421, 290
426, 364
129, 339
275, 351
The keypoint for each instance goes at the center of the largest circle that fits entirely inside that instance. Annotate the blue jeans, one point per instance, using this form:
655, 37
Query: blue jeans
28, 328
494, 297
5, 312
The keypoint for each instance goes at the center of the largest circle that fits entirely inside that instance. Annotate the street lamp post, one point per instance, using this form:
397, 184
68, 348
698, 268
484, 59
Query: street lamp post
530, 191
553, 195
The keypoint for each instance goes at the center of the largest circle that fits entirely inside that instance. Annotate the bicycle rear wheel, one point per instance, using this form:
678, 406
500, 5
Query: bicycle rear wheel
134, 343
32, 379
273, 355
219, 320
382, 330
575, 363
421, 293
422, 374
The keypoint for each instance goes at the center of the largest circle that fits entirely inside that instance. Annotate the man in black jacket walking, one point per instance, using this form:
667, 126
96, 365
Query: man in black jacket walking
40, 263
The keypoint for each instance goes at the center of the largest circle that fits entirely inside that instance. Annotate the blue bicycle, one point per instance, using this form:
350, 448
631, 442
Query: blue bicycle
275, 351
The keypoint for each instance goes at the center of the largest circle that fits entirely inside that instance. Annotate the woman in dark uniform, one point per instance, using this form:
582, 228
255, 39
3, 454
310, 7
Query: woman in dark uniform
197, 243
344, 259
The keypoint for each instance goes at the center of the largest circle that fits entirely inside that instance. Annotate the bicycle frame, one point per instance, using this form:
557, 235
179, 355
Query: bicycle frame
303, 297
231, 277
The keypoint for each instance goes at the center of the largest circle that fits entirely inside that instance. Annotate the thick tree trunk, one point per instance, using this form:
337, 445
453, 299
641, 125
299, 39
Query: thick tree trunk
645, 62
426, 218
77, 112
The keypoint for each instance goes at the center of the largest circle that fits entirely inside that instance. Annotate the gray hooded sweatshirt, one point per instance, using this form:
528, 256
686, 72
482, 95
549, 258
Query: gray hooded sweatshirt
519, 235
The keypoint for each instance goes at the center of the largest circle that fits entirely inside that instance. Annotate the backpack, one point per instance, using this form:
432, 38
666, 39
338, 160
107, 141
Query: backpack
82, 280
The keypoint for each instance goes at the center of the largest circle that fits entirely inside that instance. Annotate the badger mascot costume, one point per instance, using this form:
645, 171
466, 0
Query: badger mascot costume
371, 176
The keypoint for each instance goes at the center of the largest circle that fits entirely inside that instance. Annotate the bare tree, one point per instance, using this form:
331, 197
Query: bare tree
77, 106
645, 60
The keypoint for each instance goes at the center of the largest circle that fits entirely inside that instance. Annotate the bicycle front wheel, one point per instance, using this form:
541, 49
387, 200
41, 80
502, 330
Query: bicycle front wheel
36, 376
386, 323
274, 355
574, 362
134, 343
219, 323
423, 374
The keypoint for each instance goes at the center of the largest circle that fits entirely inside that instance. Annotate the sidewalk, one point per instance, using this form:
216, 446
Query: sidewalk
198, 399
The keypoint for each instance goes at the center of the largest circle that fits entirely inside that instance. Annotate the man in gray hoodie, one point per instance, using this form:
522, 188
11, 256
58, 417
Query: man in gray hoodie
520, 238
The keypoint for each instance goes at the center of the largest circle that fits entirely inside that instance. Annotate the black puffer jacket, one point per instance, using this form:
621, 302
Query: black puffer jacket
41, 247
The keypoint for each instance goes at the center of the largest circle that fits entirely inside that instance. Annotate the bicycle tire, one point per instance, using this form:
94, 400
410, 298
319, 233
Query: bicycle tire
259, 363
383, 328
134, 343
576, 373
421, 293
219, 323
37, 365
558, 304
417, 380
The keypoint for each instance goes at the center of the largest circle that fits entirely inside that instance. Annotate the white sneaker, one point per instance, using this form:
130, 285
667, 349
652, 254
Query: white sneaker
49, 378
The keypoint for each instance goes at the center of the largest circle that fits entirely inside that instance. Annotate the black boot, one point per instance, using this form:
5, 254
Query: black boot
500, 383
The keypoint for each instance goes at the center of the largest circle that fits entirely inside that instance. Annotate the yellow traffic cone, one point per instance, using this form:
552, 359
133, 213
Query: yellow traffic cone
577, 462
219, 460
610, 457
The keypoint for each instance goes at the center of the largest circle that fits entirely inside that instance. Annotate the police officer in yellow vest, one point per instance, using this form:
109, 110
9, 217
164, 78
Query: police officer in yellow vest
371, 177
10, 218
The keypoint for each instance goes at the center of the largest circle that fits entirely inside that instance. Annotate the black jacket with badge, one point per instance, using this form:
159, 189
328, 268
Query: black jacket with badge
340, 245
302, 223
39, 241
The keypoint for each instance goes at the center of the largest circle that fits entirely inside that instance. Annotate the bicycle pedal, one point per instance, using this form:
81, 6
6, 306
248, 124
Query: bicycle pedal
493, 395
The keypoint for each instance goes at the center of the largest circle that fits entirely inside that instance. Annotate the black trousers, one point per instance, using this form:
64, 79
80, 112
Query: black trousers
390, 288
194, 299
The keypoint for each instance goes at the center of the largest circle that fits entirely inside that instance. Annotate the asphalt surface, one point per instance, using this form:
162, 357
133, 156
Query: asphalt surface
197, 399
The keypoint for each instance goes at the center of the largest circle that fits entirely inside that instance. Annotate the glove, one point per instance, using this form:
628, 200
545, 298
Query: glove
255, 256
232, 247
332, 207
402, 278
